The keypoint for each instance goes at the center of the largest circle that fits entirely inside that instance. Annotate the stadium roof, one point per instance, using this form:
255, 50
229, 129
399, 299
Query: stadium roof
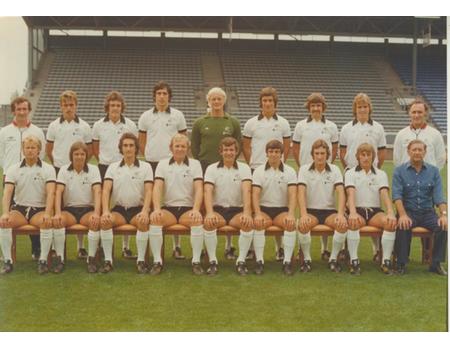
394, 26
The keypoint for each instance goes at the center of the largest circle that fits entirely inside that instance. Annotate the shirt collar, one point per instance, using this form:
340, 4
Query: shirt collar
370, 121
409, 165
260, 116
136, 163
221, 165
85, 168
358, 168
310, 119
280, 167
423, 126
155, 110
122, 119
313, 167
76, 119
185, 161
14, 122
24, 163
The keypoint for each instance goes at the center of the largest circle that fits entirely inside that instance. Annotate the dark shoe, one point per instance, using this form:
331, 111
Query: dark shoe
197, 269
107, 267
401, 269
386, 267
156, 269
142, 267
287, 269
334, 266
42, 267
259, 269
250, 255
438, 269
306, 266
279, 256
92, 266
59, 267
355, 268
177, 254
7, 268
212, 269
325, 256
82, 254
229, 253
241, 268
128, 254
377, 257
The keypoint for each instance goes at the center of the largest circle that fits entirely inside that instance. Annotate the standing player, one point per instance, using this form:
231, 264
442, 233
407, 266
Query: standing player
157, 126
366, 188
78, 200
227, 192
261, 129
208, 131
363, 129
306, 132
419, 130
106, 134
11, 137
33, 184
61, 134
128, 184
317, 184
274, 194
179, 182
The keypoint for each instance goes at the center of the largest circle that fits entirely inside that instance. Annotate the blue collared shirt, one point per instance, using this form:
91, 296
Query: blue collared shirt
418, 190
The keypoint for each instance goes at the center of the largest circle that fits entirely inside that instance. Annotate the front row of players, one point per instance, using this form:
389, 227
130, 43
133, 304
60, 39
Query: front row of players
231, 196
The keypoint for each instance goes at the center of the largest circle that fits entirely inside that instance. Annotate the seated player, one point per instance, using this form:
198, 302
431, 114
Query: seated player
177, 198
317, 184
33, 184
227, 192
129, 184
366, 187
78, 199
274, 193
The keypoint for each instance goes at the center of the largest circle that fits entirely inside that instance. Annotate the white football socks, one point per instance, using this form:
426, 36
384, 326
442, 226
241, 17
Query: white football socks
6, 243
289, 238
93, 240
107, 243
353, 239
387, 243
156, 242
59, 238
211, 244
196, 243
259, 241
141, 244
338, 241
304, 239
245, 241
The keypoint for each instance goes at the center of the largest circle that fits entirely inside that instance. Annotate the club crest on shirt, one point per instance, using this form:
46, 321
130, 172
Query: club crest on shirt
227, 131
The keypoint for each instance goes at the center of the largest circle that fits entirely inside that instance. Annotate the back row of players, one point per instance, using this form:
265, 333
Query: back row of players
156, 130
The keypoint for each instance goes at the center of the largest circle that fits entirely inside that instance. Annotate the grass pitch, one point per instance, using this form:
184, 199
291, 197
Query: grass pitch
178, 301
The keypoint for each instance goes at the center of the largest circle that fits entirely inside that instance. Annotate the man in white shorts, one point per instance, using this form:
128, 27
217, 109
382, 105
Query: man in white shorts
78, 201
11, 137
177, 198
259, 130
33, 184
274, 194
157, 126
61, 134
366, 188
128, 184
227, 197
106, 134
306, 132
317, 184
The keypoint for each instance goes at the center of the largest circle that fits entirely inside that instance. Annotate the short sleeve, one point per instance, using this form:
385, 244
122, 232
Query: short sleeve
181, 126
297, 137
51, 132
94, 175
302, 180
62, 176
291, 176
10, 176
148, 172
132, 127
246, 173
338, 180
343, 137
142, 125
109, 175
258, 177
50, 174
334, 133
95, 132
286, 129
87, 135
248, 132
210, 174
382, 139
160, 172
384, 181
197, 171
349, 178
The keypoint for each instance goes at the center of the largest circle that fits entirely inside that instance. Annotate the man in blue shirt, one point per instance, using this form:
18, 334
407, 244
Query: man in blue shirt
416, 189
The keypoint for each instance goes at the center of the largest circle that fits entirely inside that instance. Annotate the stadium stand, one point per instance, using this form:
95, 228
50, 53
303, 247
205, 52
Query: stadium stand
431, 79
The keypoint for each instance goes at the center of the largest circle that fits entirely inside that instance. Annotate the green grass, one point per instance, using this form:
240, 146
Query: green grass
179, 301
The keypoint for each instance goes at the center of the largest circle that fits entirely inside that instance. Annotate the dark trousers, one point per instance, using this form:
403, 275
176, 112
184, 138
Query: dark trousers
429, 220
102, 169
